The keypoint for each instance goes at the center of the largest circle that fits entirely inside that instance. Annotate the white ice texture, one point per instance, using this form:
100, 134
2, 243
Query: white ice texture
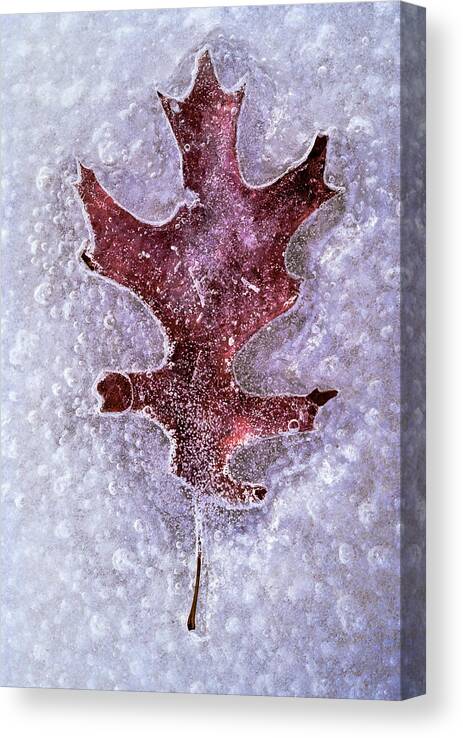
300, 597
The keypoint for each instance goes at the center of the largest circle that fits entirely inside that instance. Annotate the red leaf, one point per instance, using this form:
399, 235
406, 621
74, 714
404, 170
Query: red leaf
214, 274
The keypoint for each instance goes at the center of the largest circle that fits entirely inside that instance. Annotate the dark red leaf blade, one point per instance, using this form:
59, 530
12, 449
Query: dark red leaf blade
214, 274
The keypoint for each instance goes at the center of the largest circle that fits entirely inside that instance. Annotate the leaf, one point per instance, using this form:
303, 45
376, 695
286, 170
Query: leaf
214, 274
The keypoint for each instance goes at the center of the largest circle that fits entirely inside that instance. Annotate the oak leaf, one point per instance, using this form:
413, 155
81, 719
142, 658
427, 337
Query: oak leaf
213, 274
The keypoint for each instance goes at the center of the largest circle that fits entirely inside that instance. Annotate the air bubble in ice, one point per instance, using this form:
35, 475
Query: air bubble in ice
43, 293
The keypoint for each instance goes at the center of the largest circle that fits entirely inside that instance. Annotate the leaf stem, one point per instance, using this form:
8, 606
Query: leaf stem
191, 623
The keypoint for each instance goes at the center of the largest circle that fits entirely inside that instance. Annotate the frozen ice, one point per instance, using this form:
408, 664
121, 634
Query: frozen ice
300, 597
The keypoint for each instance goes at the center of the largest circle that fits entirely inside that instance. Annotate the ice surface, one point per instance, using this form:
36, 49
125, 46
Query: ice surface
302, 597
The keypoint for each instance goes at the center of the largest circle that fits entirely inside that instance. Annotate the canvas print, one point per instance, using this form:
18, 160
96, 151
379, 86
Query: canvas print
213, 382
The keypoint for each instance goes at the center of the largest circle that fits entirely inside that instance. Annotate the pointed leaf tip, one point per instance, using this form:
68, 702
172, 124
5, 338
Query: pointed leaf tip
206, 79
85, 176
165, 101
319, 146
204, 63
320, 397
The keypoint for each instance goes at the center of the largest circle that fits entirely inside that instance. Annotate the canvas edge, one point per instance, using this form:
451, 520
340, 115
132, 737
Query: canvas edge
413, 350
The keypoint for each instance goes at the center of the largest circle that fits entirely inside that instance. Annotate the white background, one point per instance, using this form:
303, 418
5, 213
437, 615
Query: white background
87, 714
